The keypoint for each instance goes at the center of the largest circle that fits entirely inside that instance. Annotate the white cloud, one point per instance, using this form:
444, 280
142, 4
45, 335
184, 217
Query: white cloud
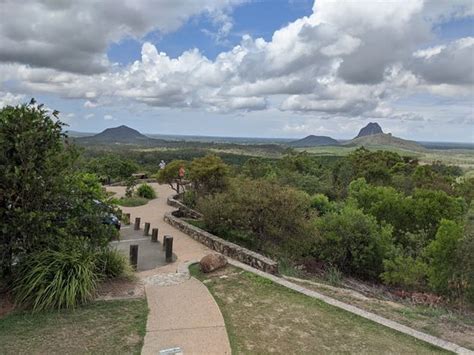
74, 35
344, 60
9, 99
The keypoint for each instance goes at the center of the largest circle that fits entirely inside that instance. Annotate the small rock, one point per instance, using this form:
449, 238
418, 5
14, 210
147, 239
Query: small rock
212, 262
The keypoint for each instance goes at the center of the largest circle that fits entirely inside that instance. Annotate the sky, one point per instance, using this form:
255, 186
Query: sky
245, 68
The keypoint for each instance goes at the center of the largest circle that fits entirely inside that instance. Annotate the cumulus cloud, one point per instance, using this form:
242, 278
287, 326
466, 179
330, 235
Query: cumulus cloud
344, 59
447, 64
7, 98
74, 35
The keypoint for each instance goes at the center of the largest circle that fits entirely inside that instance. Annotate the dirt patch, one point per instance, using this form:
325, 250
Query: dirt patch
121, 288
6, 304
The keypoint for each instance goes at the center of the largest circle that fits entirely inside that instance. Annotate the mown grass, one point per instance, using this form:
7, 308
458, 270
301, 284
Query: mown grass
451, 324
131, 201
106, 327
263, 317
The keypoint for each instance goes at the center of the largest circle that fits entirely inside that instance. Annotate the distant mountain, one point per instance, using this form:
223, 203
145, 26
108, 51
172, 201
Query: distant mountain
313, 141
77, 134
119, 135
371, 129
384, 139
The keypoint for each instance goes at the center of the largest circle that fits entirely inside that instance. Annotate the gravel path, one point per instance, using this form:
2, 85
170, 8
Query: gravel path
182, 311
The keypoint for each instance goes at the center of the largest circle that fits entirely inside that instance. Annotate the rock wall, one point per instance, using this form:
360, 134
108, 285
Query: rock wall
223, 246
184, 211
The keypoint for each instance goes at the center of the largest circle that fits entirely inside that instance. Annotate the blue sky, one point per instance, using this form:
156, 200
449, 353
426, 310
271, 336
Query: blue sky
263, 68
249, 18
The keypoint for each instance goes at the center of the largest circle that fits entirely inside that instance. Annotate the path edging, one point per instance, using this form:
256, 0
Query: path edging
444, 344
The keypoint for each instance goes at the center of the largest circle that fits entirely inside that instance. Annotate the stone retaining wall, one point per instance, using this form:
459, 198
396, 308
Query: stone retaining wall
223, 246
184, 210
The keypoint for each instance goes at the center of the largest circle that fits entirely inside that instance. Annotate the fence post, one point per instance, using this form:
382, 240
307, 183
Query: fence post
154, 235
137, 223
168, 241
134, 256
146, 230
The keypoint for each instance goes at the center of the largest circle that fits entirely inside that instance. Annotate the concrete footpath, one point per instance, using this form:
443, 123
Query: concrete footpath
182, 312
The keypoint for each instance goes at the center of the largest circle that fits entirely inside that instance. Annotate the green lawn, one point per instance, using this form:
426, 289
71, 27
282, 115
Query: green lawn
131, 201
263, 317
105, 327
455, 325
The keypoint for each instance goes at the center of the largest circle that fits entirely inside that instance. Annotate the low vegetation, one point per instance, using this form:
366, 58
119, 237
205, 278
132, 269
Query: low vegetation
130, 201
105, 327
263, 317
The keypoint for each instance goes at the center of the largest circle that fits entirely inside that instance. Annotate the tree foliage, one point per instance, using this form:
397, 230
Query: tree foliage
276, 217
170, 174
353, 242
208, 174
43, 201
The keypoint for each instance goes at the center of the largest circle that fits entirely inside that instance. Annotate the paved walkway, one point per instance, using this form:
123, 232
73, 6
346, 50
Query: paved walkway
182, 311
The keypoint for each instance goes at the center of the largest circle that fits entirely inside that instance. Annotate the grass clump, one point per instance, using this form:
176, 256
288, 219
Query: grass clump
111, 264
66, 278
56, 279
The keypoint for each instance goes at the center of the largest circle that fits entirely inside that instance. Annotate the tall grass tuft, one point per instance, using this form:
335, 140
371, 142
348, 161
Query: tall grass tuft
110, 264
56, 279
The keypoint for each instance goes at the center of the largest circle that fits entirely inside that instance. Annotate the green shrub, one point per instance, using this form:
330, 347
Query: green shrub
130, 201
444, 271
321, 203
110, 263
190, 198
353, 242
146, 191
405, 271
333, 275
56, 279
278, 218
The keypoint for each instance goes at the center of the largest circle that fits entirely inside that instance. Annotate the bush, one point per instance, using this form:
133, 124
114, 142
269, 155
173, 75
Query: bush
405, 271
321, 203
56, 279
421, 211
146, 191
353, 242
444, 272
110, 263
274, 215
190, 198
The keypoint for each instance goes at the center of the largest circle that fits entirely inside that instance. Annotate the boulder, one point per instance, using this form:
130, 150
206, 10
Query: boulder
212, 262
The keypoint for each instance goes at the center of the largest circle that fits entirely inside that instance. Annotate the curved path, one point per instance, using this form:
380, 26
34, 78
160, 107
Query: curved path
182, 311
